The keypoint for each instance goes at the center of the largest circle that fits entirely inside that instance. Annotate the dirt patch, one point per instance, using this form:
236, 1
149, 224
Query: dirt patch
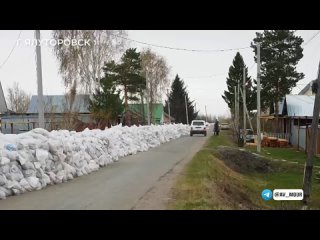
242, 161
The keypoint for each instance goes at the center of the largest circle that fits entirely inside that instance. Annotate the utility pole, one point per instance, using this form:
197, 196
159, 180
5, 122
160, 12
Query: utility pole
206, 113
185, 99
148, 93
169, 107
39, 78
244, 106
307, 180
235, 108
258, 99
247, 112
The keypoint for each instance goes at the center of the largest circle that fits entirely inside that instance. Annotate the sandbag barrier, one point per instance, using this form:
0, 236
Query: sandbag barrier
31, 161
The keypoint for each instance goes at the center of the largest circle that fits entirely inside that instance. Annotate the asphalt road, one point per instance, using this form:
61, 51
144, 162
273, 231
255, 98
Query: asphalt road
118, 186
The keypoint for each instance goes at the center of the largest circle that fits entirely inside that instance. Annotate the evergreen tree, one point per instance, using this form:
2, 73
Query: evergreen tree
127, 76
106, 104
280, 52
177, 102
235, 76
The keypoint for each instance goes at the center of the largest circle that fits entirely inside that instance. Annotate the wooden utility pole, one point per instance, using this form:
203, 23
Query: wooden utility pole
235, 108
258, 100
185, 99
148, 98
169, 106
39, 78
206, 113
244, 106
247, 113
238, 109
307, 179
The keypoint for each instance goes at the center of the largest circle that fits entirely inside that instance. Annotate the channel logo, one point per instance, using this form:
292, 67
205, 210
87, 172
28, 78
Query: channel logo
266, 194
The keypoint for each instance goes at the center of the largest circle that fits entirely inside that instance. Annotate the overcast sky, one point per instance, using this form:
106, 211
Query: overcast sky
195, 68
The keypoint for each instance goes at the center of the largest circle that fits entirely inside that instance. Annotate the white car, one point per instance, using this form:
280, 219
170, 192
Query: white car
198, 127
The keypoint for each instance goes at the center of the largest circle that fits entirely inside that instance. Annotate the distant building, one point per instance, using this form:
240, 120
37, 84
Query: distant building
3, 104
55, 109
141, 113
307, 90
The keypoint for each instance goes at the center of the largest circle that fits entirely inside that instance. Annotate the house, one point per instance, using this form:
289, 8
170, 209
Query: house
56, 109
158, 114
307, 90
295, 118
3, 104
168, 119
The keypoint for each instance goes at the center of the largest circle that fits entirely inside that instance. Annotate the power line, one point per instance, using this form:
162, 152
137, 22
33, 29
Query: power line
209, 76
181, 49
14, 46
316, 34
216, 75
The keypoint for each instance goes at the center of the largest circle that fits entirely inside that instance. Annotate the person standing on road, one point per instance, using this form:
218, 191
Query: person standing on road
216, 127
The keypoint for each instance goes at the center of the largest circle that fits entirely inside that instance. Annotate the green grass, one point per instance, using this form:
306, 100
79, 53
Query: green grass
224, 139
288, 154
207, 183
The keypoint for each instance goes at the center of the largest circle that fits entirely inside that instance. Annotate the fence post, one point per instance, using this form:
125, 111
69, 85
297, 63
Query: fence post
28, 125
11, 124
33, 125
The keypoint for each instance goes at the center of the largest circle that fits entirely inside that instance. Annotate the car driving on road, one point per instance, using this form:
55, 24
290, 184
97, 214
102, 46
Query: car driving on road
198, 127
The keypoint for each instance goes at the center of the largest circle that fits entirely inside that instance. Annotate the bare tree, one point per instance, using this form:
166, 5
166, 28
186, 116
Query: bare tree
70, 110
158, 80
18, 99
82, 65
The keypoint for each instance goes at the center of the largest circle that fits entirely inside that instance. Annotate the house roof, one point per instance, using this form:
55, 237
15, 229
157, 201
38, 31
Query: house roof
298, 105
306, 88
3, 104
58, 103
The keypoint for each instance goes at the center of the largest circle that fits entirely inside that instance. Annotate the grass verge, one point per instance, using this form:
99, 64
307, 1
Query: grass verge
209, 183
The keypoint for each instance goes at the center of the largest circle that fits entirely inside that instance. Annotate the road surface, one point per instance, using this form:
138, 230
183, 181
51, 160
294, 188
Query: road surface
121, 185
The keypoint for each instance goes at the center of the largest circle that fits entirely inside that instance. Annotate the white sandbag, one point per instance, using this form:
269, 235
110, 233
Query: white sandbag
3, 180
25, 184
93, 165
45, 146
61, 156
29, 173
39, 173
46, 178
69, 169
28, 165
10, 147
14, 185
54, 146
61, 176
33, 181
84, 171
52, 177
12, 155
6, 190
42, 155
15, 173
43, 183
4, 161
22, 158
5, 169
2, 195
79, 173
37, 165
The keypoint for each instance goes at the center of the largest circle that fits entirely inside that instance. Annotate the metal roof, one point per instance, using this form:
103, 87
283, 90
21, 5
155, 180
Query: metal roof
3, 104
58, 103
299, 105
